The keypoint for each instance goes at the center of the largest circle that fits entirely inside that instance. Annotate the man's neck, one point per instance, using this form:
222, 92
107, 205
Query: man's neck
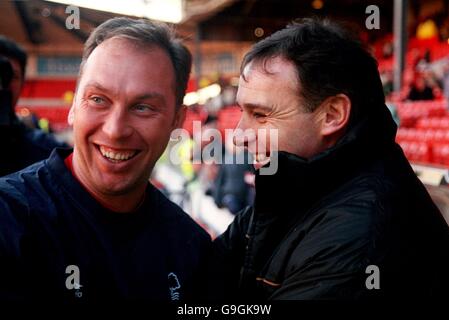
117, 203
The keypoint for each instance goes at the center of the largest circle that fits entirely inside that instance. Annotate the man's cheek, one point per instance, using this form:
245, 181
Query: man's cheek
252, 146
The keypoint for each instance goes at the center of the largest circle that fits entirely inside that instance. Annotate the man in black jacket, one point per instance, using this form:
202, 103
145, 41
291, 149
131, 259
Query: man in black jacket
24, 145
86, 225
344, 215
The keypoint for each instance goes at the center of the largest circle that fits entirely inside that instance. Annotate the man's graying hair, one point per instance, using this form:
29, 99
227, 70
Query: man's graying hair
147, 33
328, 61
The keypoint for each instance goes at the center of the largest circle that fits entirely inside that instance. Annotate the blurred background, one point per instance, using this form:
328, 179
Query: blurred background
410, 40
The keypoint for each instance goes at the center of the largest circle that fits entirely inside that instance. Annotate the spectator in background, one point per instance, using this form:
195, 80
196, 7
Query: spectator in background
387, 49
22, 145
230, 189
433, 82
445, 80
427, 29
387, 82
444, 29
420, 90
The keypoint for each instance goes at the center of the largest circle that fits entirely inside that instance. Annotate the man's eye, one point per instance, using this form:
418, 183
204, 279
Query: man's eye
97, 100
142, 108
258, 115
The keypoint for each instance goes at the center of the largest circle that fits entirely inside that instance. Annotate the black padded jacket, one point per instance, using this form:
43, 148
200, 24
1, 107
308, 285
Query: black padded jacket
354, 222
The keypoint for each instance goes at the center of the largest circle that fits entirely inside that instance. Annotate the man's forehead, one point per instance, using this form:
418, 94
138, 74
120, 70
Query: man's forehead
272, 66
118, 52
119, 45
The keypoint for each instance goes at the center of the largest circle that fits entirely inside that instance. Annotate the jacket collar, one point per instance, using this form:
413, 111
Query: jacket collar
62, 175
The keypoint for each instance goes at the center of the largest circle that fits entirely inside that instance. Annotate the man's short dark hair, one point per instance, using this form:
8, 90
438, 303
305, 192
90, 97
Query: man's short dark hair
147, 33
12, 50
329, 61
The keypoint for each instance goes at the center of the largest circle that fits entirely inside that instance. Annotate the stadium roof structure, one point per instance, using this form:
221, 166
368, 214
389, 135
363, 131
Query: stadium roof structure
40, 25
238, 21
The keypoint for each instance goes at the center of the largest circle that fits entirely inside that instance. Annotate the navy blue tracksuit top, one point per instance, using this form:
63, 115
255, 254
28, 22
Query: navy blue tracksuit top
58, 243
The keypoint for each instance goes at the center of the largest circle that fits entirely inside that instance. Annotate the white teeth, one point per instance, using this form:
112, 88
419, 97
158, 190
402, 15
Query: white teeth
117, 156
260, 157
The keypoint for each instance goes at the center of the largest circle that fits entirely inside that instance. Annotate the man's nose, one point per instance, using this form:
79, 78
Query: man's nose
116, 125
243, 133
238, 136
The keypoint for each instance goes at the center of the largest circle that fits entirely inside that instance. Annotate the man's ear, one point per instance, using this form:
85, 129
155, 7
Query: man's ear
71, 116
180, 116
335, 112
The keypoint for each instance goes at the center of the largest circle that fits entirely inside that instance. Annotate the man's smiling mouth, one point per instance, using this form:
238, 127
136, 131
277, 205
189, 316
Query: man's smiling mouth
117, 155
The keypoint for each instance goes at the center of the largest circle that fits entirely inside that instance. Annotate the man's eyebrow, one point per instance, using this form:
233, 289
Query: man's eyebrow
256, 106
96, 85
149, 95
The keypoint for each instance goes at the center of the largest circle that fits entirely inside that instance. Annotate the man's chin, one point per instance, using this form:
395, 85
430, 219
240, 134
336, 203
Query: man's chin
116, 188
114, 184
260, 161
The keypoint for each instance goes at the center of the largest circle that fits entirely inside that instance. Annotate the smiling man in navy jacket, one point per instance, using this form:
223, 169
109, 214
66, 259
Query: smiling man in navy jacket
87, 225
